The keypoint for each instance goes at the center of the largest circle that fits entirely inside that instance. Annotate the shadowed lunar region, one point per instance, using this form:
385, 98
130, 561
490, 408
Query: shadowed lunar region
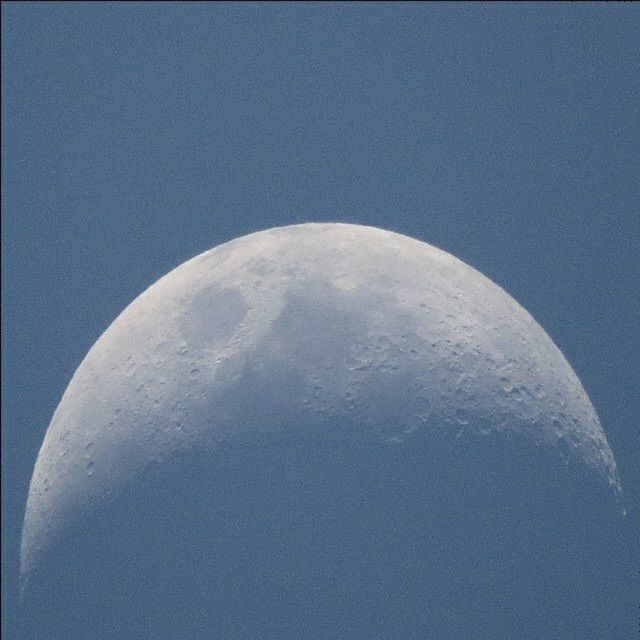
323, 431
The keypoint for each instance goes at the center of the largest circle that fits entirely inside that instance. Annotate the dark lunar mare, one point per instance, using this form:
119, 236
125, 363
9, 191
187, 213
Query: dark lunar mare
333, 534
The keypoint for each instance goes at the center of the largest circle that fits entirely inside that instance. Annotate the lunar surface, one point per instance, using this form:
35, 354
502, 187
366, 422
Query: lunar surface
323, 430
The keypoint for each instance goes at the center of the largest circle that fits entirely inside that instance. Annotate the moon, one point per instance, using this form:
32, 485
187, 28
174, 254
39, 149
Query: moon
345, 376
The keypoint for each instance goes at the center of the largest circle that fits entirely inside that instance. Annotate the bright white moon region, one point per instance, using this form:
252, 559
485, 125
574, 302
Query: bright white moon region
335, 331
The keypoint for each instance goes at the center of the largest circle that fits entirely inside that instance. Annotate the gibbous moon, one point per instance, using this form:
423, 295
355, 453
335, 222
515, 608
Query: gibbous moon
307, 426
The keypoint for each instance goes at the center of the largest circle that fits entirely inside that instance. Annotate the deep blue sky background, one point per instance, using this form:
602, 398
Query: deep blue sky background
137, 135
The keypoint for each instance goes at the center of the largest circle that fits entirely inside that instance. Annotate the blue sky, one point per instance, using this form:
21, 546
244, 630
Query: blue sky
136, 135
